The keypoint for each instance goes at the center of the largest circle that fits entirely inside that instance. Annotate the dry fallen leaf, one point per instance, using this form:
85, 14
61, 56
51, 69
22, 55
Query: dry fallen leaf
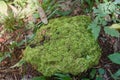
42, 15
115, 26
40, 1
3, 7
14, 9
2, 40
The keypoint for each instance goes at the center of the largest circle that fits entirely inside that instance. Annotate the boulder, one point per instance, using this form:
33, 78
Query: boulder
65, 45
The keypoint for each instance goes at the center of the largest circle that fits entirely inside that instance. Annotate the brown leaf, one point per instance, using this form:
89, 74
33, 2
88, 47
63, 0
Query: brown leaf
40, 1
2, 40
42, 15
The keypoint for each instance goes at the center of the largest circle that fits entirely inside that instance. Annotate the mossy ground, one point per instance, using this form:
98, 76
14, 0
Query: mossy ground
64, 45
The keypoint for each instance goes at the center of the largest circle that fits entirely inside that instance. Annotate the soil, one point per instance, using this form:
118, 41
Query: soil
108, 46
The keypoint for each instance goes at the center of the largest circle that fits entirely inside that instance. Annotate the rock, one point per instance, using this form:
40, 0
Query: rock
63, 46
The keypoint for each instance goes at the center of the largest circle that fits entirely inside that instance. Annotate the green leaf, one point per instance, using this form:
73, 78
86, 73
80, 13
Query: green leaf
111, 32
85, 79
63, 76
20, 63
117, 74
7, 54
115, 58
101, 71
96, 32
95, 29
63, 13
39, 78
92, 73
99, 78
36, 15
1, 58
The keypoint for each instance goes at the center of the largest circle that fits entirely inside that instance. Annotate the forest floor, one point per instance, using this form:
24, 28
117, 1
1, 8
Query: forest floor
27, 71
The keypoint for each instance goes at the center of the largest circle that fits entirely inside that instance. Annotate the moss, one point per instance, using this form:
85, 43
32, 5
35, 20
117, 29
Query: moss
65, 46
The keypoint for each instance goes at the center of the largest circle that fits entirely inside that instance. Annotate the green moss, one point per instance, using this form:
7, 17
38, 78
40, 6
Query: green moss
67, 47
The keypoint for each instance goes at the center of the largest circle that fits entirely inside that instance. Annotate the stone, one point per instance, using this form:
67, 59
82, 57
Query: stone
65, 45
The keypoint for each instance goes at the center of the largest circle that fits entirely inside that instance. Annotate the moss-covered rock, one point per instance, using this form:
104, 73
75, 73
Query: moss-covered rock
65, 46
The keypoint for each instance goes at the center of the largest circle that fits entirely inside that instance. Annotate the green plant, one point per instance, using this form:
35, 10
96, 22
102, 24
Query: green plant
11, 17
102, 17
3, 56
39, 78
49, 6
89, 3
116, 26
12, 22
62, 76
57, 76
20, 3
115, 58
63, 46
116, 75
95, 74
